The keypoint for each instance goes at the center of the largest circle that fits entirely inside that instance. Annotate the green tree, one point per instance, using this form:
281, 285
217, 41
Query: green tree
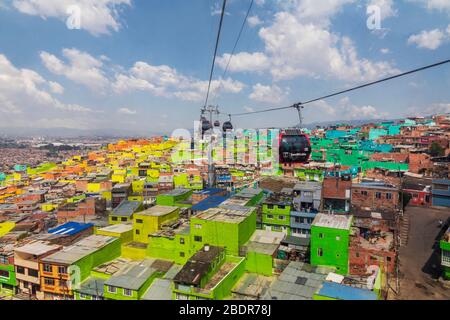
436, 150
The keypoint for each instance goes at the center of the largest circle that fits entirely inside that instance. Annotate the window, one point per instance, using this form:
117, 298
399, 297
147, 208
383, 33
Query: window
364, 193
114, 218
269, 216
388, 259
138, 232
415, 195
378, 195
3, 260
281, 217
389, 196
4, 274
270, 206
127, 292
47, 268
320, 252
198, 226
112, 289
123, 219
320, 235
281, 207
33, 273
62, 270
276, 228
181, 240
198, 238
139, 221
84, 296
20, 270
338, 238
182, 254
357, 254
49, 282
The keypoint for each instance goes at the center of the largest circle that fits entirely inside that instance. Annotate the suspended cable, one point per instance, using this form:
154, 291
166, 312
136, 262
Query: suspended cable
244, 23
301, 104
215, 50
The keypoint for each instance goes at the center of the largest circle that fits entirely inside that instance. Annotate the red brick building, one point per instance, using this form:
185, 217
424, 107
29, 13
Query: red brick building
375, 196
336, 193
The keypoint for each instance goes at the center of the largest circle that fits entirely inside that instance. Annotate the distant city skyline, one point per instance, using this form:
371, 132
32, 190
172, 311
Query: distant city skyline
142, 66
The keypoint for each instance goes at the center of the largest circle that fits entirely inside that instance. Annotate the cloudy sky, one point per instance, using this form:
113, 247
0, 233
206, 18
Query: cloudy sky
144, 64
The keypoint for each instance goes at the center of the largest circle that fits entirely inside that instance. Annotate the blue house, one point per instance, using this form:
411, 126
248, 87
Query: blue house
441, 193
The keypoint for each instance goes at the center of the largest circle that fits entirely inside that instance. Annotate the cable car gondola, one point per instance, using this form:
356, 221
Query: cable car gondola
294, 146
206, 125
227, 126
217, 123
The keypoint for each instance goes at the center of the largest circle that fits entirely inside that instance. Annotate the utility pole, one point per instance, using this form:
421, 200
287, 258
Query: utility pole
212, 110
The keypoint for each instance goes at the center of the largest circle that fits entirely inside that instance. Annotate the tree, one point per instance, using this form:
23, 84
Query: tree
436, 150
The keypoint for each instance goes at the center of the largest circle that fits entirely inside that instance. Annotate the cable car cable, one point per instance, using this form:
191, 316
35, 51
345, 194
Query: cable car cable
215, 50
297, 105
234, 48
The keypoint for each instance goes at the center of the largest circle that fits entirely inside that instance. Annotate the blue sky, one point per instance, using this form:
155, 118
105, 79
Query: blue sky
143, 65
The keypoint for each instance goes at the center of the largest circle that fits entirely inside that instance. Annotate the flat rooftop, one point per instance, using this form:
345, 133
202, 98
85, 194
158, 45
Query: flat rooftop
133, 277
332, 221
298, 281
176, 192
225, 215
72, 254
158, 211
308, 186
37, 248
117, 228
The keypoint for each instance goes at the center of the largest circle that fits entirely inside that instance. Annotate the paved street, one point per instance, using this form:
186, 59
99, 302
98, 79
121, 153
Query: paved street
419, 259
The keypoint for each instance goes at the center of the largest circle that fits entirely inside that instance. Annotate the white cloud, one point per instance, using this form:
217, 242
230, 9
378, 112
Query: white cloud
56, 87
165, 81
267, 94
299, 42
428, 39
387, 9
126, 111
439, 5
298, 49
81, 68
433, 109
24, 90
254, 21
244, 61
97, 16
385, 51
249, 109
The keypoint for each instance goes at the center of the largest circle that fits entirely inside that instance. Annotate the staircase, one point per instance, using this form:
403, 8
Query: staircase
404, 229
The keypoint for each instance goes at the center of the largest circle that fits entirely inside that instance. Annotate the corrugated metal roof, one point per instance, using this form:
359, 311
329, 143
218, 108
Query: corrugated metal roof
70, 228
343, 292
210, 202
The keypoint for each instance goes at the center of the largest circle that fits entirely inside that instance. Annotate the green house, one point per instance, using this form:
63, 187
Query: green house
8, 282
223, 227
276, 213
123, 213
131, 284
330, 241
209, 274
176, 197
445, 254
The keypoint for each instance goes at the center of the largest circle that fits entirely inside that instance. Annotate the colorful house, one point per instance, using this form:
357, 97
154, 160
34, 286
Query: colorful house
330, 237
64, 270
149, 221
130, 284
124, 212
445, 254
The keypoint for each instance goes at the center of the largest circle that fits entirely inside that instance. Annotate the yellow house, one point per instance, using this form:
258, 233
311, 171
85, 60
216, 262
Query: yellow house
6, 227
149, 221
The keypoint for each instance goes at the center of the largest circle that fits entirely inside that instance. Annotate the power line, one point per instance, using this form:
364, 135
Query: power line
301, 104
235, 47
215, 50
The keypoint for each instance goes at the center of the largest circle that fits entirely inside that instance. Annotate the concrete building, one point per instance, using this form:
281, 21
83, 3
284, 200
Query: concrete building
26, 262
123, 213
445, 254
376, 196
336, 194
330, 239
441, 193
149, 221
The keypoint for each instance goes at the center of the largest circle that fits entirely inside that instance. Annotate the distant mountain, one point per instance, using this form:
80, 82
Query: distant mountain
74, 133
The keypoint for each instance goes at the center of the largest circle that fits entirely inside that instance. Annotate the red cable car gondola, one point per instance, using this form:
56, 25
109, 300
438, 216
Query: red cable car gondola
294, 146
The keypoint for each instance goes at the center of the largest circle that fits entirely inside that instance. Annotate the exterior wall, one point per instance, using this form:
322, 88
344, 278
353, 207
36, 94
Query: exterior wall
231, 236
277, 218
445, 258
171, 248
334, 251
361, 258
136, 294
370, 200
10, 281
259, 263
150, 224
124, 237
